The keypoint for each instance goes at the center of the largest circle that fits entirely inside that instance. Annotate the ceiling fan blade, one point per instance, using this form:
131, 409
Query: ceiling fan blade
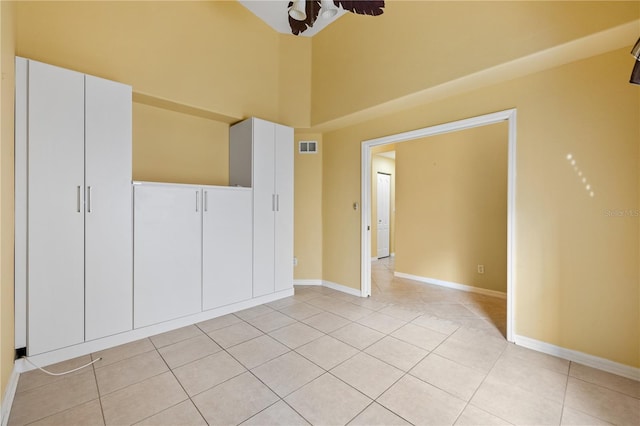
312, 9
362, 7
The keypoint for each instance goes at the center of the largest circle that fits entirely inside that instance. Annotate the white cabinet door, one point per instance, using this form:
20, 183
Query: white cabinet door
284, 208
56, 214
167, 253
264, 200
226, 246
109, 231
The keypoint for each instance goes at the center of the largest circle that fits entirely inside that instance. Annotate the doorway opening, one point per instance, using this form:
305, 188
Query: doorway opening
510, 117
383, 215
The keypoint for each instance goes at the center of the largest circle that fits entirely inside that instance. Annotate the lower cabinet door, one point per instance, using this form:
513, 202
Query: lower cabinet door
167, 252
227, 246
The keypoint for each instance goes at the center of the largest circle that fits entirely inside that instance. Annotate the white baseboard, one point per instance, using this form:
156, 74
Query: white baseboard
307, 282
579, 357
342, 288
86, 348
331, 285
456, 286
7, 398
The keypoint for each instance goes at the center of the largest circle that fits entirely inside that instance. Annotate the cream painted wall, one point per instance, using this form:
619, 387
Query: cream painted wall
383, 165
215, 55
307, 233
361, 61
173, 147
576, 268
451, 201
7, 68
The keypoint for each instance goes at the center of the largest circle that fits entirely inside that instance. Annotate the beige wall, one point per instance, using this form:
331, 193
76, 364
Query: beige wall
383, 165
216, 55
308, 210
576, 269
451, 201
173, 147
361, 62
6, 195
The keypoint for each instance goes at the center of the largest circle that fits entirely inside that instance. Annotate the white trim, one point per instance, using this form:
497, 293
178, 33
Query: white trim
331, 285
449, 284
342, 288
579, 357
393, 255
483, 120
140, 333
9, 394
307, 282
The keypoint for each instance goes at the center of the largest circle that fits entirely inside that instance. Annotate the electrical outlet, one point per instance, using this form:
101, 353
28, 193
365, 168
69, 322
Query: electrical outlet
295, 261
481, 269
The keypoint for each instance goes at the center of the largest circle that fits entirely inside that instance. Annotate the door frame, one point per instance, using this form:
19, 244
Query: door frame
389, 213
483, 120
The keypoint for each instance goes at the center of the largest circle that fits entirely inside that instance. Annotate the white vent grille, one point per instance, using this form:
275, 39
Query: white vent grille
308, 147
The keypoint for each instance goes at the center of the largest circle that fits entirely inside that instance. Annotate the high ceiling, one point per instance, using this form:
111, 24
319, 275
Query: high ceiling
275, 14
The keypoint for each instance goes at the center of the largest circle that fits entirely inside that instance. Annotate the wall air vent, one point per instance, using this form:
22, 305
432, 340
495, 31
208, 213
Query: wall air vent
308, 147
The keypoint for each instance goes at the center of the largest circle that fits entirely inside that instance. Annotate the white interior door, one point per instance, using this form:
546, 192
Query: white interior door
383, 212
56, 213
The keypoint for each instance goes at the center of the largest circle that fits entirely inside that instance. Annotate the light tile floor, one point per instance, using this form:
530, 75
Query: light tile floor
410, 354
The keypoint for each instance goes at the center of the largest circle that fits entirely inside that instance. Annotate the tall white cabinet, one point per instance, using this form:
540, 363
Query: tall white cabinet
261, 157
73, 207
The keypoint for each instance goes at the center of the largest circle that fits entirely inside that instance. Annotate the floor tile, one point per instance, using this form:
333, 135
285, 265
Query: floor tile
326, 322
357, 335
401, 313
287, 373
87, 414
281, 303
234, 334
296, 334
515, 404
397, 353
129, 371
271, 321
350, 311
44, 401
188, 350
34, 378
602, 403
376, 415
419, 336
184, 413
174, 336
473, 416
327, 352
380, 322
208, 372
436, 324
448, 310
300, 311
518, 372
118, 353
277, 414
137, 402
571, 417
217, 323
407, 399
472, 349
458, 380
257, 351
256, 311
537, 359
367, 374
328, 401
604, 379
235, 400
